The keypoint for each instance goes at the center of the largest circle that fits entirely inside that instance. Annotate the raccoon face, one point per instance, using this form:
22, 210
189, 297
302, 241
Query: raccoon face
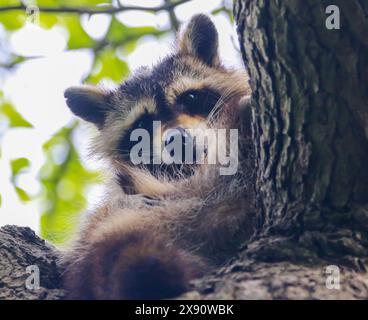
184, 91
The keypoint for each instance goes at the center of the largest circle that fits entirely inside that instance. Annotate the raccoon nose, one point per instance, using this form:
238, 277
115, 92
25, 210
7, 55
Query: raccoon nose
177, 134
182, 136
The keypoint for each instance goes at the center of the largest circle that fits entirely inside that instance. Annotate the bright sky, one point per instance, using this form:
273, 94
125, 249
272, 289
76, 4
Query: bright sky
36, 89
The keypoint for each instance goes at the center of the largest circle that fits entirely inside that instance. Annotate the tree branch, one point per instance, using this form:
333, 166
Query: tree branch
173, 19
97, 10
21, 248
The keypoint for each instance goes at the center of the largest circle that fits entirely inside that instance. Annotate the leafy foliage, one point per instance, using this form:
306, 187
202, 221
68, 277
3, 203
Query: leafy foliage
64, 181
108, 66
78, 38
18, 166
15, 120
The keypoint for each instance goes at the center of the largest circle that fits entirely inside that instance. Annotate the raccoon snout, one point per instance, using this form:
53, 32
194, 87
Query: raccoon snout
177, 134
179, 138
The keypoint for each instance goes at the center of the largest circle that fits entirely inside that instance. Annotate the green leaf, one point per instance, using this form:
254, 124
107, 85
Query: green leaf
23, 195
9, 2
47, 20
14, 61
48, 3
107, 65
18, 165
14, 117
78, 38
13, 20
121, 34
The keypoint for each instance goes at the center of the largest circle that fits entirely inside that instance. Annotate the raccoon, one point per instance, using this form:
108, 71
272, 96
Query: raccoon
162, 225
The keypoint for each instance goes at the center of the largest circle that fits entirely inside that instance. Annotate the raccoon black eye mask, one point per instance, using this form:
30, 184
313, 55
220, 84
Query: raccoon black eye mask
195, 103
198, 102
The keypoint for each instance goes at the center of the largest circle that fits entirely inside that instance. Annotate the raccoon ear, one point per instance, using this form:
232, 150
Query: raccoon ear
88, 102
200, 39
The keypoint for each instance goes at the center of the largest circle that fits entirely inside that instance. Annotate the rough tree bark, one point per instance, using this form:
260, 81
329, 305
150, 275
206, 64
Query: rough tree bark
310, 125
20, 248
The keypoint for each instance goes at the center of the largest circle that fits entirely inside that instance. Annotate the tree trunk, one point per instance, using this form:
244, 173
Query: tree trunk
310, 126
310, 96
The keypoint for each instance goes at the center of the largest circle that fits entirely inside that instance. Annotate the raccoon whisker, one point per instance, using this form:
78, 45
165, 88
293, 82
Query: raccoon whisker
218, 106
221, 101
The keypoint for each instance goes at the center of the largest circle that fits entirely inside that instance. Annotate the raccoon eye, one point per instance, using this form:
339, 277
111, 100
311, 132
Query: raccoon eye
191, 99
199, 101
